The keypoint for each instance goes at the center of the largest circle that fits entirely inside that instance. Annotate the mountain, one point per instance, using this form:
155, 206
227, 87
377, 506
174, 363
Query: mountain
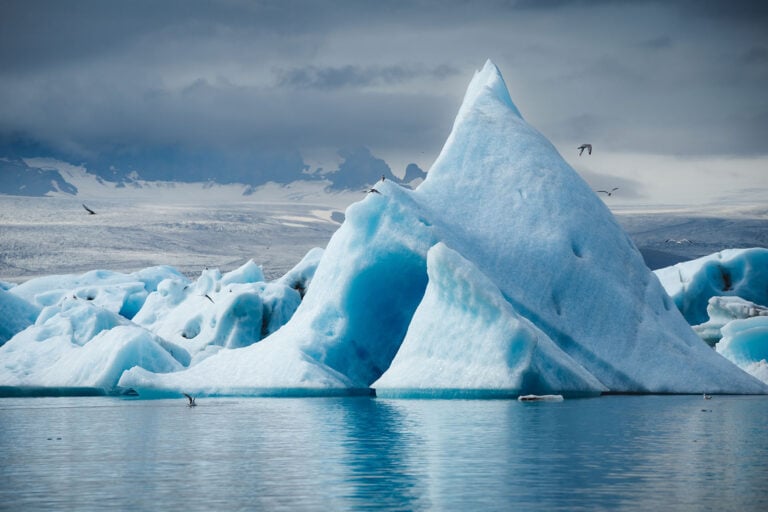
19, 179
359, 169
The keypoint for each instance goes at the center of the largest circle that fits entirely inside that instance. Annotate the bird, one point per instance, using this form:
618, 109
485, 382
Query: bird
209, 298
609, 192
707, 397
191, 400
383, 178
372, 191
588, 147
90, 212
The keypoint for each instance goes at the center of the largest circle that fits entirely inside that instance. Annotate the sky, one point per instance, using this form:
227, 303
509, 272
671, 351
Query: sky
671, 94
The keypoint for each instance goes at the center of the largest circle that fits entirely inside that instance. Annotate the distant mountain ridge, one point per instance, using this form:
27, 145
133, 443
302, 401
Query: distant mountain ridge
358, 170
19, 179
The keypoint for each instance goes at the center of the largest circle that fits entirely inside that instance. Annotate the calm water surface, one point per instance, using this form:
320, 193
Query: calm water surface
615, 452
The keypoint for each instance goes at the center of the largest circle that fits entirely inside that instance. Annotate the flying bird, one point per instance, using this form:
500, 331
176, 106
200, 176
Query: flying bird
90, 212
609, 192
191, 400
588, 147
371, 191
209, 298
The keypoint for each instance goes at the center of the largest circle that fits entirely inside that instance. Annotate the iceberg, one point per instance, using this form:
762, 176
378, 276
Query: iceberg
721, 312
501, 275
732, 272
577, 310
745, 342
725, 296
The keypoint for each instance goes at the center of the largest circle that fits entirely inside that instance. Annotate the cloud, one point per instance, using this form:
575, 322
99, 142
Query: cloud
313, 77
657, 43
629, 189
198, 79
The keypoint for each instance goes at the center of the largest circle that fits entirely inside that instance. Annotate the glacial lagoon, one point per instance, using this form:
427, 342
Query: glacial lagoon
677, 452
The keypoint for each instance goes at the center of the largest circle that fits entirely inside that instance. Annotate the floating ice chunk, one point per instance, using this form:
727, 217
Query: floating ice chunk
745, 342
540, 398
733, 272
464, 337
721, 311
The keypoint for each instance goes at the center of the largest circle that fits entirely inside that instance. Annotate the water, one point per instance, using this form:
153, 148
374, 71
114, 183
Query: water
614, 452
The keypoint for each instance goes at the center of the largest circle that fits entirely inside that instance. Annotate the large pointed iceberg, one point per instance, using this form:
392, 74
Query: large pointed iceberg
570, 305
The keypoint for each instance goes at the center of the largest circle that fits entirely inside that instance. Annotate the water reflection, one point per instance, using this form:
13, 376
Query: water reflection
632, 453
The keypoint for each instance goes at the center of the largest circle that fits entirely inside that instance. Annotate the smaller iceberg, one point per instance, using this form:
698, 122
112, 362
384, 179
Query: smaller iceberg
732, 272
722, 311
745, 343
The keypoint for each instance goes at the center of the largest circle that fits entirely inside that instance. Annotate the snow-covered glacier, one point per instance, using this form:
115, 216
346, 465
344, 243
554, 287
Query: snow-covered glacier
502, 274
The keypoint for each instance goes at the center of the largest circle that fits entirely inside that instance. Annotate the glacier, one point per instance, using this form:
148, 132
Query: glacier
502, 274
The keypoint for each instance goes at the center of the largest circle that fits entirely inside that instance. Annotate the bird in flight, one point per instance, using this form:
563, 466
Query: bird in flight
90, 212
371, 191
191, 400
609, 192
209, 298
588, 147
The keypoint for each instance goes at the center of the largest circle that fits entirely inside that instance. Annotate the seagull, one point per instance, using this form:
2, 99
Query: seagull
371, 190
191, 400
588, 147
707, 397
610, 193
90, 212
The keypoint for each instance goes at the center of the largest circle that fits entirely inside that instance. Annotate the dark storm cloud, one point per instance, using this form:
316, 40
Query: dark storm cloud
313, 77
104, 78
657, 43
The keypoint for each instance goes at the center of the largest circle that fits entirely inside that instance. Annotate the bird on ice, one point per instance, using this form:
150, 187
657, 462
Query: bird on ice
90, 212
609, 192
191, 400
588, 147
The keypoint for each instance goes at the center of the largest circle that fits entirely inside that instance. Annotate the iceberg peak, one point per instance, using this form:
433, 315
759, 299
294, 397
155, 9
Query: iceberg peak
487, 83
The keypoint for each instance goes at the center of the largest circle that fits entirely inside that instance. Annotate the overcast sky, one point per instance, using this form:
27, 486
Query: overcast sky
672, 94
